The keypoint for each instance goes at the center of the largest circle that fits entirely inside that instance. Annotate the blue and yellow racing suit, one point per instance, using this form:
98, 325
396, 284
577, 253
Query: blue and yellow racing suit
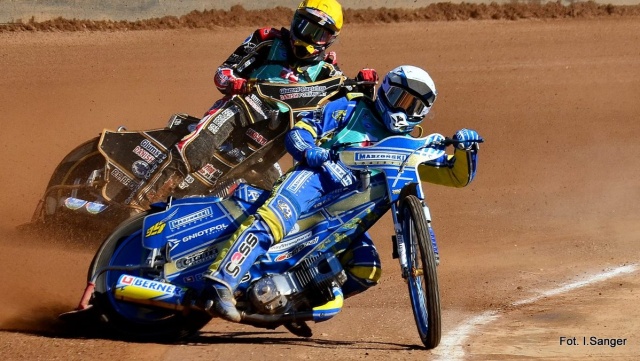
348, 119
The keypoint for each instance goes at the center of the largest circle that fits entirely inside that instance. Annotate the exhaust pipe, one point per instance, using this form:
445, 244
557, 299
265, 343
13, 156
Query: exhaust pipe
165, 295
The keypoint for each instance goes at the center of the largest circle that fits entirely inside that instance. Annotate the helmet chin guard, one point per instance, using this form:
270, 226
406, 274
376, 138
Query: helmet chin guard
315, 26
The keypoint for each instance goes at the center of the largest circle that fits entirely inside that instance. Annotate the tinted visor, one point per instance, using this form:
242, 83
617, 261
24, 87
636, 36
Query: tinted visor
401, 99
310, 32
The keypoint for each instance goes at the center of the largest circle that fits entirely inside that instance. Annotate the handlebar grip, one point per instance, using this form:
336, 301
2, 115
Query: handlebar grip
450, 141
348, 82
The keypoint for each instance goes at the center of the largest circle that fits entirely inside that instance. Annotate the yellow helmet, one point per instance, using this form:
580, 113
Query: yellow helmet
315, 25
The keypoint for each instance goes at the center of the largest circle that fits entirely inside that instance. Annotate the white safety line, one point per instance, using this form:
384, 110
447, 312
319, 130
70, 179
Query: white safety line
451, 345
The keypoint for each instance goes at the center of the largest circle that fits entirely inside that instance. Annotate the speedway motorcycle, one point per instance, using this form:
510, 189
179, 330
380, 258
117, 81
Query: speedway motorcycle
102, 181
144, 280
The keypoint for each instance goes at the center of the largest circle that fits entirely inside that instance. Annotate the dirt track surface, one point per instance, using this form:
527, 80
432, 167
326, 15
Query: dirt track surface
238, 16
555, 201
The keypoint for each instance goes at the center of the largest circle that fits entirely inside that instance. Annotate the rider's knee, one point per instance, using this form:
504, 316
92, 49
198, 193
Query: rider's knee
280, 213
360, 279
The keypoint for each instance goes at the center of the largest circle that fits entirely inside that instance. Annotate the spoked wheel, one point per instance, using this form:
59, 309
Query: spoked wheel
129, 320
70, 181
422, 277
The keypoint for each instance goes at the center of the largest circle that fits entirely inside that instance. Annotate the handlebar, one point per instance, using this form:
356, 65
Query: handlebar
335, 149
450, 141
348, 83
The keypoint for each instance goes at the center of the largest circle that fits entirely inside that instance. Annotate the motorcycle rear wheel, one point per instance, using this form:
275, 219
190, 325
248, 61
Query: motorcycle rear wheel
422, 272
128, 320
67, 180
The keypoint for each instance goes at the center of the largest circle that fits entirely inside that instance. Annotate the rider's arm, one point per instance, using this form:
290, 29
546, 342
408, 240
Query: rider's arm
457, 170
328, 71
313, 126
245, 59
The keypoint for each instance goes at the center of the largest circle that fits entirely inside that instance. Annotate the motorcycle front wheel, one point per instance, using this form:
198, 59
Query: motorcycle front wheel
422, 273
129, 320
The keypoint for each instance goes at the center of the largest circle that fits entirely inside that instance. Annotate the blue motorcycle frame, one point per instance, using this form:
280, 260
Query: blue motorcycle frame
145, 278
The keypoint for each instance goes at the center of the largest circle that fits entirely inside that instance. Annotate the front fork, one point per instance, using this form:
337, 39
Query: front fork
400, 250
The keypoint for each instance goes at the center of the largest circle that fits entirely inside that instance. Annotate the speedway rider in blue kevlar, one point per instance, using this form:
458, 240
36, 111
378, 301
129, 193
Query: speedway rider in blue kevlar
296, 55
403, 100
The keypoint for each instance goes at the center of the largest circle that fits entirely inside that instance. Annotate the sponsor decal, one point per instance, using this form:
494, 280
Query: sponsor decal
199, 257
299, 181
303, 92
173, 243
370, 156
298, 142
191, 279
236, 154
284, 209
134, 190
205, 232
291, 242
253, 195
249, 61
123, 178
149, 147
146, 156
191, 218
297, 249
149, 284
339, 115
210, 172
155, 229
339, 172
222, 118
257, 105
141, 169
257, 137
186, 182
248, 244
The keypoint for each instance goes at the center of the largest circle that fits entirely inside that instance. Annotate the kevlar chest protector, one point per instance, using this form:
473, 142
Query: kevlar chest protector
363, 126
277, 65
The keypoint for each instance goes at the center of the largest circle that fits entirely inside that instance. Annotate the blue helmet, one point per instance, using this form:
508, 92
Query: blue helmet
405, 97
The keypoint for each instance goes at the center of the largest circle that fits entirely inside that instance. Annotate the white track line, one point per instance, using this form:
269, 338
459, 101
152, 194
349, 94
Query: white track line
450, 348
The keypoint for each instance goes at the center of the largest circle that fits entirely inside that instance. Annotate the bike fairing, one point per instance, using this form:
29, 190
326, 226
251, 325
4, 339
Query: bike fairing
125, 302
333, 226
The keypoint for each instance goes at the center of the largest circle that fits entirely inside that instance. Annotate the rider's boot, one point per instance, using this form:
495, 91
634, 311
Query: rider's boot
249, 242
331, 308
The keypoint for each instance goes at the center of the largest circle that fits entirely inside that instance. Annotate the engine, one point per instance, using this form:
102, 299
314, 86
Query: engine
306, 285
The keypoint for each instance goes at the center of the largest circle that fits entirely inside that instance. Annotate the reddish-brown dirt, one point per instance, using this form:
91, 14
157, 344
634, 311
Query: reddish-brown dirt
555, 199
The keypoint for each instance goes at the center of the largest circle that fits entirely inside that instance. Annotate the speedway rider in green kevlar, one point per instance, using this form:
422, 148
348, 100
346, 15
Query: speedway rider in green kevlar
405, 97
269, 55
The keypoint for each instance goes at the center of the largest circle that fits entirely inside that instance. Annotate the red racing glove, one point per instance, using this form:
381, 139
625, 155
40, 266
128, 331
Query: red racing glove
228, 83
238, 86
331, 58
367, 74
